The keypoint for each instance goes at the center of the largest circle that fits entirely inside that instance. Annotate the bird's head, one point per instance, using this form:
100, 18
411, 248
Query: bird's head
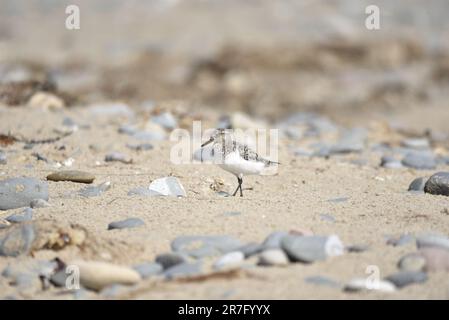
217, 134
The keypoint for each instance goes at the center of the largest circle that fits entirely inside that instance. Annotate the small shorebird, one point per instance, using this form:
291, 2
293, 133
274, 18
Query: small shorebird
235, 157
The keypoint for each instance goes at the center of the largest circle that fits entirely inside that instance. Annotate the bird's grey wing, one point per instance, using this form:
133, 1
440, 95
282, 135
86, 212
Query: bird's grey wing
250, 155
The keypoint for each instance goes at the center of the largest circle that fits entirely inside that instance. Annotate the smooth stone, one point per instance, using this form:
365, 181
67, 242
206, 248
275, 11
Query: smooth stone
312, 248
3, 158
418, 184
390, 163
352, 141
127, 129
168, 186
438, 184
437, 259
148, 269
412, 262
142, 191
119, 157
166, 120
405, 278
127, 223
71, 175
323, 281
359, 284
171, 259
273, 257
327, 217
417, 143
25, 215
357, 248
229, 260
273, 241
338, 200
95, 191
140, 146
59, 279
183, 270
419, 160
432, 240
97, 275
19, 192
39, 203
203, 246
17, 241
402, 240
149, 136
251, 249
35, 267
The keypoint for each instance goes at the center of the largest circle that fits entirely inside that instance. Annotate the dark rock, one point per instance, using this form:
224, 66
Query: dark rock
438, 184
168, 260
405, 278
417, 184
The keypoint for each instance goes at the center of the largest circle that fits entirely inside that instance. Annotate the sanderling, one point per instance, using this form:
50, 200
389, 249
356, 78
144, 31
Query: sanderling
236, 158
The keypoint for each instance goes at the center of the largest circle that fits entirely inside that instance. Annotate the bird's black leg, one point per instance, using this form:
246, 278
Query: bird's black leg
240, 185
237, 189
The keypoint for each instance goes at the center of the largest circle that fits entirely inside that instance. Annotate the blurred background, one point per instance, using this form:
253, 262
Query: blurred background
262, 57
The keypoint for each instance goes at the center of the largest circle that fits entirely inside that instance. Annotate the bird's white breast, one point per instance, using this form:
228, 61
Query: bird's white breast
237, 165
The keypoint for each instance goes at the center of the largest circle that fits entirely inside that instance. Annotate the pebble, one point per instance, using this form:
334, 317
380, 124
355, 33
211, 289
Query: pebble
140, 146
390, 163
273, 241
46, 101
119, 157
17, 241
357, 248
419, 160
229, 260
142, 191
402, 240
71, 175
405, 278
416, 143
166, 120
359, 284
183, 270
438, 184
204, 246
97, 275
125, 224
323, 281
352, 141
251, 249
39, 203
3, 158
168, 186
327, 217
25, 215
432, 240
171, 259
94, 191
148, 269
437, 259
19, 192
273, 257
338, 200
312, 248
412, 262
418, 184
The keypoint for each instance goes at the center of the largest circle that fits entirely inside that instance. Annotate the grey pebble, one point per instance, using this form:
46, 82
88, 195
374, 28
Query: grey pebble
95, 191
140, 146
438, 184
183, 270
251, 249
25, 215
338, 200
119, 157
19, 192
419, 160
273, 241
416, 143
166, 120
127, 223
390, 163
39, 203
202, 246
401, 241
327, 217
405, 278
308, 249
412, 262
357, 248
323, 281
17, 240
418, 184
432, 240
148, 269
171, 259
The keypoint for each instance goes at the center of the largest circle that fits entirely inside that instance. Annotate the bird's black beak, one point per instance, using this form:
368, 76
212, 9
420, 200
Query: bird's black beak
207, 142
